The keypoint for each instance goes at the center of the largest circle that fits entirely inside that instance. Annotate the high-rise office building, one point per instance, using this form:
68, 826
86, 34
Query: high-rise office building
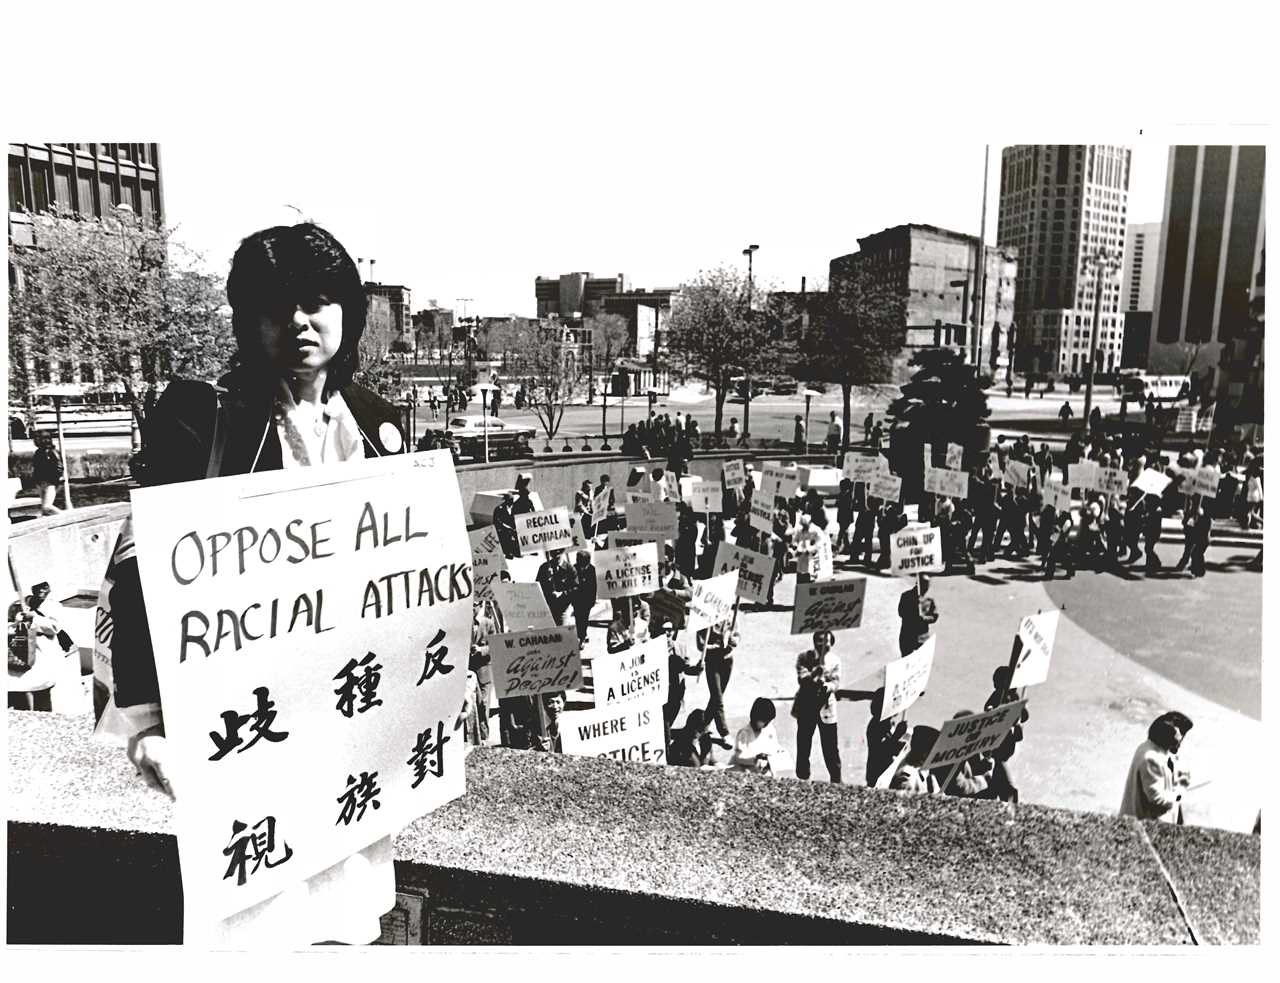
1210, 255
1141, 256
1059, 206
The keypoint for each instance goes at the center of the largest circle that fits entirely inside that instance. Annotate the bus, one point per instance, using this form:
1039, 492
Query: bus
1137, 385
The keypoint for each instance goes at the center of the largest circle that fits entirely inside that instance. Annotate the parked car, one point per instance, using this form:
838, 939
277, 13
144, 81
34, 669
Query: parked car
465, 437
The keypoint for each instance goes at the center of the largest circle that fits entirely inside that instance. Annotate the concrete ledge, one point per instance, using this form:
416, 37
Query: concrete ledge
560, 850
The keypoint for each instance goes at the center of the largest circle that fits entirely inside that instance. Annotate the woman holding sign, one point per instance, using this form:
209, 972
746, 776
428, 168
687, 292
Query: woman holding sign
298, 311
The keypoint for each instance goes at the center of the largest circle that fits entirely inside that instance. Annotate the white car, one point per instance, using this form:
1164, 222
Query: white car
465, 436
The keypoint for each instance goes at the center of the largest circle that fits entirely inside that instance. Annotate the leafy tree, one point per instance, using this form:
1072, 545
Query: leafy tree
853, 338
115, 293
716, 335
541, 360
610, 341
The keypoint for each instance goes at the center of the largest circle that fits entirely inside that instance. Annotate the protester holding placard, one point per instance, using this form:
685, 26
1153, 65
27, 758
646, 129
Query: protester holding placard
910, 776
1000, 784
971, 779
556, 578
686, 540
504, 521
1152, 530
756, 747
719, 667
886, 738
582, 596
298, 311
1156, 782
891, 519
547, 738
918, 612
1196, 531
818, 678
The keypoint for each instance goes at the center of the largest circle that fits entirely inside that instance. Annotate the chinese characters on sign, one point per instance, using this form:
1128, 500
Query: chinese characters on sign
307, 626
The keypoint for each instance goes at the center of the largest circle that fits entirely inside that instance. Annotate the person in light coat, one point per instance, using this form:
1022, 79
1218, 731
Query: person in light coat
1155, 784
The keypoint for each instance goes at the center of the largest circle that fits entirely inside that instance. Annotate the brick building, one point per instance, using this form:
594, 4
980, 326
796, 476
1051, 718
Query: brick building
583, 295
933, 274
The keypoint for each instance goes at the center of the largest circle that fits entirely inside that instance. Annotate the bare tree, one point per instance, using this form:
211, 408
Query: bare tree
541, 361
120, 295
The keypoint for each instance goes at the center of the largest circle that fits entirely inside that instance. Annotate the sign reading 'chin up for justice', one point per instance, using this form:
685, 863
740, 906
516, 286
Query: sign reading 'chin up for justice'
311, 630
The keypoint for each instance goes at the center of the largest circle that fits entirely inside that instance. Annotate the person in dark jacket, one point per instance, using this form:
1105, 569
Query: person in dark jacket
886, 739
891, 520
1151, 530
583, 595
919, 613
1196, 528
557, 580
864, 527
504, 524
844, 515
298, 310
46, 471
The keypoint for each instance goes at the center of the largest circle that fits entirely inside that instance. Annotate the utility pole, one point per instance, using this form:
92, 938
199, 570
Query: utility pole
749, 252
1104, 263
467, 341
980, 313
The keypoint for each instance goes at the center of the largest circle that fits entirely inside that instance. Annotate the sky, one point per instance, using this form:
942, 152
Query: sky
469, 148
482, 226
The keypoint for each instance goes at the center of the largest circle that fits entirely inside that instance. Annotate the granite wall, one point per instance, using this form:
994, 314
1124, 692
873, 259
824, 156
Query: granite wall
549, 849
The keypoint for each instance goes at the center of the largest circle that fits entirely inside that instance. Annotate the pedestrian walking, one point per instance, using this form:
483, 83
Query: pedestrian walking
835, 435
718, 665
798, 438
46, 472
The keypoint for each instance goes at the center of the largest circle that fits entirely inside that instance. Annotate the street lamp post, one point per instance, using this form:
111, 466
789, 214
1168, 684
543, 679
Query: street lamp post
1104, 264
808, 400
749, 252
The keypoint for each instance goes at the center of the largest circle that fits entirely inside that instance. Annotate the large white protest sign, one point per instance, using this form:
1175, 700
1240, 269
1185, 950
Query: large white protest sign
632, 495
761, 514
755, 570
627, 572
954, 484
621, 539
600, 506
964, 737
861, 467
1152, 482
1017, 474
652, 521
1113, 481
955, 456
931, 479
486, 560
537, 532
311, 629
914, 549
1204, 482
523, 569
1036, 632
1057, 495
630, 731
636, 673
1083, 475
712, 600
540, 660
928, 455
522, 606
885, 486
735, 474
832, 604
705, 496
906, 679
824, 561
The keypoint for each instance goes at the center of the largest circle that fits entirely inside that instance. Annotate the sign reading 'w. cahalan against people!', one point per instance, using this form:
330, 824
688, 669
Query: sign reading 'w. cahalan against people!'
311, 631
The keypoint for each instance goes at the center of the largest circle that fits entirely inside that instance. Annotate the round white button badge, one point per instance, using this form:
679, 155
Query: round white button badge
389, 434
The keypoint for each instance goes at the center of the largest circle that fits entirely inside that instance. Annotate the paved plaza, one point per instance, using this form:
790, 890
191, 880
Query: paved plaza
1128, 647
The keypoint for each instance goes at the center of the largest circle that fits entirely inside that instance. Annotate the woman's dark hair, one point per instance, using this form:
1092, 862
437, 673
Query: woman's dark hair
763, 710
1161, 730
288, 265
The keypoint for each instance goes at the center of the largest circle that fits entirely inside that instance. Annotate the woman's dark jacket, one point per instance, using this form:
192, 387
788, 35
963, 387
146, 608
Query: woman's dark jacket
177, 441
